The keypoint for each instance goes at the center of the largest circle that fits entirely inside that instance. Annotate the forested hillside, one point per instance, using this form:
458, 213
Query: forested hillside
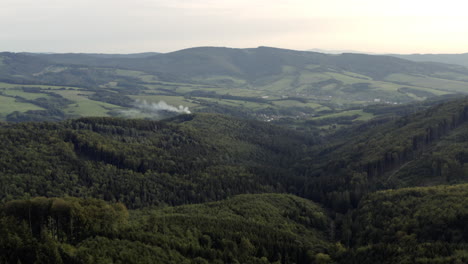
209, 188
414, 225
255, 63
460, 59
244, 229
191, 158
424, 148
205, 157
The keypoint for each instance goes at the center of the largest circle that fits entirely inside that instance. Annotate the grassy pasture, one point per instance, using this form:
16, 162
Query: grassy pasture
363, 116
84, 106
10, 104
25, 95
430, 82
43, 87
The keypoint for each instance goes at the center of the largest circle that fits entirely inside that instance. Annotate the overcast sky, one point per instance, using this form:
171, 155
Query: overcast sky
130, 26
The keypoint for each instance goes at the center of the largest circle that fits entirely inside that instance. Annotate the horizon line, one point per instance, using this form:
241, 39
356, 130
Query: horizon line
318, 50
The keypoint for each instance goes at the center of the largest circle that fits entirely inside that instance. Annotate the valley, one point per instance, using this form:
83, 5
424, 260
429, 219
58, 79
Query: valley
268, 84
256, 156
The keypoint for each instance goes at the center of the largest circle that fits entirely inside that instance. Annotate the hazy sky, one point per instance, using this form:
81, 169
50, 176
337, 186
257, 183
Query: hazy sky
129, 26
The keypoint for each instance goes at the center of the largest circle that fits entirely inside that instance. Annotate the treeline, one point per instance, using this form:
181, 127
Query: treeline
208, 157
205, 157
188, 159
359, 161
52, 103
245, 229
414, 225
40, 230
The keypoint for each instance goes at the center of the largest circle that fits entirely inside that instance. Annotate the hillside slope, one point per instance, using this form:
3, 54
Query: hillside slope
203, 157
260, 62
424, 148
413, 225
346, 76
263, 83
192, 158
460, 59
267, 228
230, 167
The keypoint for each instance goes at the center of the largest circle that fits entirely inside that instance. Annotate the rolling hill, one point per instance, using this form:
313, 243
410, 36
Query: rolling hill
262, 228
188, 159
420, 149
263, 83
210, 188
459, 59
411, 225
259, 62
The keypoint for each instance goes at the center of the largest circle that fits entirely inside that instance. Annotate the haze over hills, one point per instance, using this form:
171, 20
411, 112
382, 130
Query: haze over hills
460, 59
205, 152
264, 83
259, 62
212, 182
327, 51
88, 58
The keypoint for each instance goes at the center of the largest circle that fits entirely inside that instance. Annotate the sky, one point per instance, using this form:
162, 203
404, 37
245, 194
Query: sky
132, 26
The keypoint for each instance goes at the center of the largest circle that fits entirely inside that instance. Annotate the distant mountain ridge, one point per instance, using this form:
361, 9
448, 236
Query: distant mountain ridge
251, 62
88, 58
447, 58
327, 51
460, 59
270, 83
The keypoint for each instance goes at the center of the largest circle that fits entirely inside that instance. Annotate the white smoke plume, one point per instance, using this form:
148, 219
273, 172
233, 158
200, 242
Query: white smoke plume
154, 110
144, 106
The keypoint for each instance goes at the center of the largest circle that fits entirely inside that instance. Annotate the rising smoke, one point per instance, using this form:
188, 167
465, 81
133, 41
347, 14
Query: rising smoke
154, 110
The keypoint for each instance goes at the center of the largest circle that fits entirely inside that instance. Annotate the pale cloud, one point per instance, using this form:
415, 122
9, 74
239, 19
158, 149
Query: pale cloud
166, 25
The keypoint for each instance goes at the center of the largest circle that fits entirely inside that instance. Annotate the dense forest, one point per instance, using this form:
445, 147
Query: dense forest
247, 229
188, 159
209, 188
411, 225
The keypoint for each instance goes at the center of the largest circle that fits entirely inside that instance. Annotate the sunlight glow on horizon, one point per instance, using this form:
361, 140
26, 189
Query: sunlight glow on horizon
123, 26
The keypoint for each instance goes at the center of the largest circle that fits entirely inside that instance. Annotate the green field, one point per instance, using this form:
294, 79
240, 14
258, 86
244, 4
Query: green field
293, 83
235, 103
220, 79
83, 106
346, 79
25, 95
452, 75
434, 83
10, 104
281, 85
295, 103
307, 77
363, 116
129, 73
44, 87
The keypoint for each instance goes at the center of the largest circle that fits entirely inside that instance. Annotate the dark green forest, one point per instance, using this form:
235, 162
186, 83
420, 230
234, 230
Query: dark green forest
210, 188
260, 228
